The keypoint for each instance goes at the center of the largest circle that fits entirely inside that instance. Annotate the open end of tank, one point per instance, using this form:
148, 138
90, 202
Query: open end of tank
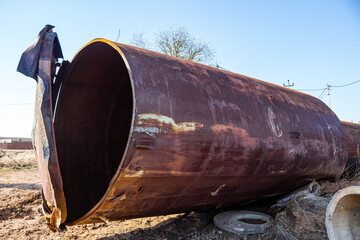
92, 124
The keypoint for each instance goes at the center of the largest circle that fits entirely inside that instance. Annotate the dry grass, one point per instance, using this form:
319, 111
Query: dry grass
17, 159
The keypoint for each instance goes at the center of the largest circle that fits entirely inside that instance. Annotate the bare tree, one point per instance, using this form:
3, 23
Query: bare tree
139, 41
178, 43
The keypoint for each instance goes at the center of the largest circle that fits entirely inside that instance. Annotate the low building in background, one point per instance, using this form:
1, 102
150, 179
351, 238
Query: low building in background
15, 143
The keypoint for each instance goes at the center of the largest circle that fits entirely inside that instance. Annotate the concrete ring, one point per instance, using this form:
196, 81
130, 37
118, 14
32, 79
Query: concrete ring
343, 214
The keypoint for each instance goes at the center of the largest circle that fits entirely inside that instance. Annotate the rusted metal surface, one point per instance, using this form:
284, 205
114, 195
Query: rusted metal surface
140, 133
352, 131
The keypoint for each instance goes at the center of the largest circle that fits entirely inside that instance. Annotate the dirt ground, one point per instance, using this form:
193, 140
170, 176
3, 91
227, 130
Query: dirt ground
21, 216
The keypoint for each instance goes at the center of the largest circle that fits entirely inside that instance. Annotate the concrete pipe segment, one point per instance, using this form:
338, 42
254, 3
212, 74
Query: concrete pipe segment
343, 215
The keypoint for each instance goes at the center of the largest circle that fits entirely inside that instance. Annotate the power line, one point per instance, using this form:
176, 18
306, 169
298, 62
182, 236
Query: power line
321, 89
13, 104
346, 84
322, 94
317, 89
327, 90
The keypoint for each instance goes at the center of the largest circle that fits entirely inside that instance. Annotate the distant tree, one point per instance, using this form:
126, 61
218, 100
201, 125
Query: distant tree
178, 43
139, 41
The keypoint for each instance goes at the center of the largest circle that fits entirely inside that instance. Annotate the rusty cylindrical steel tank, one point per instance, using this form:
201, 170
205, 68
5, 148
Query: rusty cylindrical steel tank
140, 133
352, 132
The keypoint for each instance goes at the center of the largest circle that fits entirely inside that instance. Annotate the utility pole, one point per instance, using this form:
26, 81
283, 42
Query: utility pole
288, 84
328, 95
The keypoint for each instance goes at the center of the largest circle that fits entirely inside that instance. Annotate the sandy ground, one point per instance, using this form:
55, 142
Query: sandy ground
21, 215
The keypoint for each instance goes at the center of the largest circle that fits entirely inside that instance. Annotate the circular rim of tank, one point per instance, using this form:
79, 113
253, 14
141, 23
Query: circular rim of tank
117, 173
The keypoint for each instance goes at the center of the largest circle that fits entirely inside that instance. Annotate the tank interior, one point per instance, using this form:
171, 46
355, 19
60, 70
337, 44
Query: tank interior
92, 124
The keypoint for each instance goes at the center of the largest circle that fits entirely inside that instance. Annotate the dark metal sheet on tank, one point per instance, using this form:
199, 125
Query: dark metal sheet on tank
38, 62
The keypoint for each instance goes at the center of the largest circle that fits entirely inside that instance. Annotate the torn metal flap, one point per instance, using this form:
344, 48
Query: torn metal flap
39, 62
29, 61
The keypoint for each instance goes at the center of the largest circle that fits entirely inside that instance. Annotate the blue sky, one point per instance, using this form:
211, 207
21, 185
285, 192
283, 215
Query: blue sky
311, 43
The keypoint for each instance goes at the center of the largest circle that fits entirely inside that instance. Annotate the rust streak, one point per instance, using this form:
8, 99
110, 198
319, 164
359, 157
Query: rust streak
157, 123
